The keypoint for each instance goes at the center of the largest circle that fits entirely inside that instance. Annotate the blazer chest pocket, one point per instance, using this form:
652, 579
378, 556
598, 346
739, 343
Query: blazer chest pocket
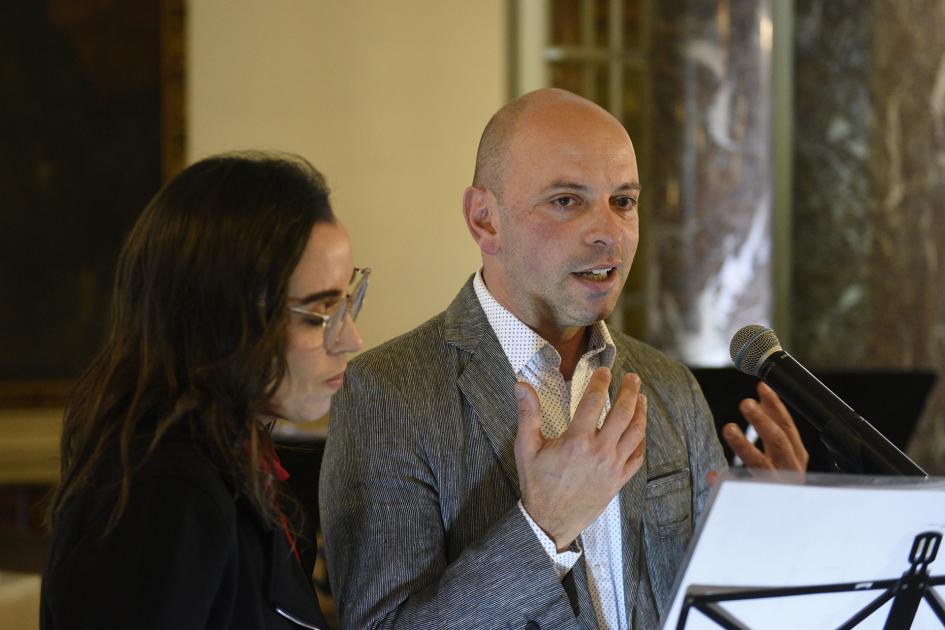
669, 502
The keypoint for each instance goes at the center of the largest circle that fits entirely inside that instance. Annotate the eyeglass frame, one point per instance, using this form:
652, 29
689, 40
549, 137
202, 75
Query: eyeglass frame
349, 304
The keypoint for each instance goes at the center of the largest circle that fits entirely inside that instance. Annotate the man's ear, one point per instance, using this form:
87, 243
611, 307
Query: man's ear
480, 208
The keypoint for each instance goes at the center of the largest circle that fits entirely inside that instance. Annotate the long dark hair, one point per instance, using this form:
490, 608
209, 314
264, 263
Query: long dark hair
197, 335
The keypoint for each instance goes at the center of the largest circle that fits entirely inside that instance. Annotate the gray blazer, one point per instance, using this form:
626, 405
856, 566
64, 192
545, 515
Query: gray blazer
419, 488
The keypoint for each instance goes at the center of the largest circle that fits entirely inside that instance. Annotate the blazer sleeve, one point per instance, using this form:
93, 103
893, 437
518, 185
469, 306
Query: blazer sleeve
386, 544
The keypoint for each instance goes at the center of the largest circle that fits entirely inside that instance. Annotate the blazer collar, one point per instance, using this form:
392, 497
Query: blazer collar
486, 379
465, 323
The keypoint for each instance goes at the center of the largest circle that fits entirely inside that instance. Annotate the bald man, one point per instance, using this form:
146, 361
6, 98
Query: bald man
513, 462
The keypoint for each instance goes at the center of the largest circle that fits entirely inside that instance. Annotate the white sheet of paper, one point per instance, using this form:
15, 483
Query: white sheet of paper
762, 534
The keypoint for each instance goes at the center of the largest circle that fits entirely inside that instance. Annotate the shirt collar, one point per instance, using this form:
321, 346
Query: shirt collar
520, 343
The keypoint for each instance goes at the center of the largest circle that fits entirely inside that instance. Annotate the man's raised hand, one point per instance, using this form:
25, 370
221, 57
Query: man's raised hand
568, 481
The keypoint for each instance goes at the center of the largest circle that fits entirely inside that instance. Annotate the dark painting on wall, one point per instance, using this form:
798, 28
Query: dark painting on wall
91, 122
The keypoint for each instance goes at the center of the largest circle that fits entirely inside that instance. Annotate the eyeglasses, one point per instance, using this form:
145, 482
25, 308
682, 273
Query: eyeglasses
334, 319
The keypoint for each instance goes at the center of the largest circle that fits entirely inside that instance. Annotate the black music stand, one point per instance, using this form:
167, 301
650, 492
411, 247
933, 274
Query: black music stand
906, 592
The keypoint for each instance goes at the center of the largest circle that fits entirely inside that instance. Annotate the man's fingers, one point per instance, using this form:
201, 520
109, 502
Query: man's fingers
772, 405
592, 403
631, 447
784, 449
750, 454
778, 447
635, 432
529, 438
624, 410
635, 461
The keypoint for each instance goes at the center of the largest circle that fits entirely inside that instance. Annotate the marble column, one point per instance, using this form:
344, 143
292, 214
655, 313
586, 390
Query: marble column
869, 193
708, 184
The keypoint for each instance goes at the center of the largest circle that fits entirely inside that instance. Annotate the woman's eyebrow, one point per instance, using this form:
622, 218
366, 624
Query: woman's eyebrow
321, 295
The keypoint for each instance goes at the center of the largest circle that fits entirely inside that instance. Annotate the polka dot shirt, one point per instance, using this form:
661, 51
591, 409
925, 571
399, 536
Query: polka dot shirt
536, 362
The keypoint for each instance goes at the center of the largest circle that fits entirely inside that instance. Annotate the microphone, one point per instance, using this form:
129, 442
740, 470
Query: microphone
856, 445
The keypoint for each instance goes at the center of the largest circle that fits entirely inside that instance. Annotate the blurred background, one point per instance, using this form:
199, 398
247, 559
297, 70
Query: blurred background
792, 154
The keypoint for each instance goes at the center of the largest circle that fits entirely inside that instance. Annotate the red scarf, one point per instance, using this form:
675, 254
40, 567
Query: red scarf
272, 467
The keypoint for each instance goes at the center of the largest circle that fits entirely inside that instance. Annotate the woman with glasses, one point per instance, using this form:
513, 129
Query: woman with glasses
234, 304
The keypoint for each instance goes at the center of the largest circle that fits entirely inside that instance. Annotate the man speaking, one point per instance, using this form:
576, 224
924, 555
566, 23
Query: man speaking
513, 462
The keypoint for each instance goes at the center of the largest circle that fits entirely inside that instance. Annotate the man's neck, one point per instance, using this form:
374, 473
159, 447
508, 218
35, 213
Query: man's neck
570, 344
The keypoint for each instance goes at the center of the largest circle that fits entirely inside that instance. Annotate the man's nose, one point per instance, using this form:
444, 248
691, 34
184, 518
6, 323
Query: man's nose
604, 225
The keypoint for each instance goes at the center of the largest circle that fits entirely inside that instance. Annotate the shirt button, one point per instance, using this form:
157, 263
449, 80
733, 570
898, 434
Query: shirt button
532, 625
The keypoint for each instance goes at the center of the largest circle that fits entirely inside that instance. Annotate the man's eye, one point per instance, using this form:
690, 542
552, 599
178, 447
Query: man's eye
564, 202
626, 203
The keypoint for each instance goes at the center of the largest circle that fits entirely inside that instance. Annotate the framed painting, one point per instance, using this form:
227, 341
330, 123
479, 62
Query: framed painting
93, 123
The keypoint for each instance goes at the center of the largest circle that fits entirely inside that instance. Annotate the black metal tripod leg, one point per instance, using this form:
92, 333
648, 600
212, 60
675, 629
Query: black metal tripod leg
683, 615
868, 610
906, 603
719, 615
936, 604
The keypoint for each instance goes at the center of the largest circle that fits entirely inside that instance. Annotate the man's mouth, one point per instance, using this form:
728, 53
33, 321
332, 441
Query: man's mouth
597, 275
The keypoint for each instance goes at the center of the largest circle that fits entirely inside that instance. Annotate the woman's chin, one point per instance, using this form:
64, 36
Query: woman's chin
301, 414
312, 412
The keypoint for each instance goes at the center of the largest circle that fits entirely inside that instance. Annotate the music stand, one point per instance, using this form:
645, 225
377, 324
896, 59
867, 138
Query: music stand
823, 551
907, 592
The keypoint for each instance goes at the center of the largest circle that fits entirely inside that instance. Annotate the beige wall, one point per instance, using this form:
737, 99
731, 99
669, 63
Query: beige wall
386, 98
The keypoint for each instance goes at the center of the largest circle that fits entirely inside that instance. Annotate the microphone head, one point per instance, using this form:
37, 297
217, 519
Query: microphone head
751, 346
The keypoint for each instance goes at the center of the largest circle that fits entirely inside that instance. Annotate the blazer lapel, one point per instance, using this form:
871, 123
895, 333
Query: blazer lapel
486, 381
587, 618
288, 590
632, 501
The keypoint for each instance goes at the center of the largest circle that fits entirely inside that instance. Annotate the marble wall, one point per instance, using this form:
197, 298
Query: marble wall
869, 193
867, 263
708, 188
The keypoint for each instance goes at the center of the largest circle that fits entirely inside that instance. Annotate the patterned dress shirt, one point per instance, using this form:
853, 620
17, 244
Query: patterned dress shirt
536, 362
